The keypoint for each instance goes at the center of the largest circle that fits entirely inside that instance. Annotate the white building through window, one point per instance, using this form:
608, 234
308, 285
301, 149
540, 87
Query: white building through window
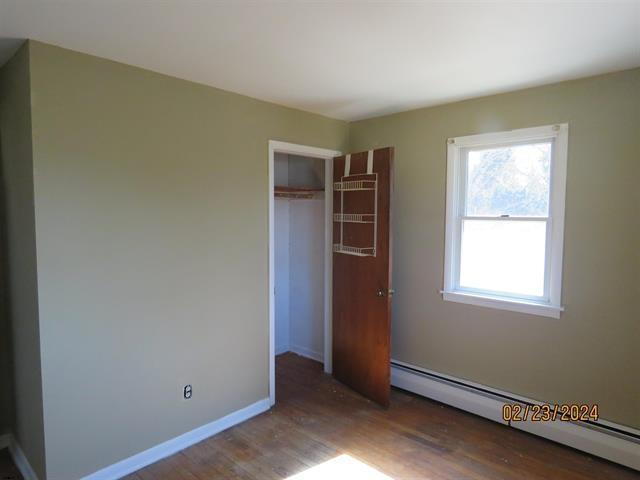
505, 219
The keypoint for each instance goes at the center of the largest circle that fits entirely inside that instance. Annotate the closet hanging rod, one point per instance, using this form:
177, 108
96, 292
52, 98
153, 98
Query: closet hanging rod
296, 192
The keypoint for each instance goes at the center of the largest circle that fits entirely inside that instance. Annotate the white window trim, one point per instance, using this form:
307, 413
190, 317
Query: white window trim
555, 235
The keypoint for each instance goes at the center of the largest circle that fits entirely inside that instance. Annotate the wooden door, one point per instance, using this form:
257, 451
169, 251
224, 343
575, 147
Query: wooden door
362, 272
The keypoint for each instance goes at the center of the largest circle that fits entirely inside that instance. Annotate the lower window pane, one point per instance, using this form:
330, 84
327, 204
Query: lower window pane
503, 256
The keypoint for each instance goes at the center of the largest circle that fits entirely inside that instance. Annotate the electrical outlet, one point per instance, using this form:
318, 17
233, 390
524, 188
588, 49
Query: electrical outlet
187, 391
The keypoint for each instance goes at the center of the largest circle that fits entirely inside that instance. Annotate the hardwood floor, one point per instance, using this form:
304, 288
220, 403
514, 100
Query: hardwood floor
8, 471
316, 419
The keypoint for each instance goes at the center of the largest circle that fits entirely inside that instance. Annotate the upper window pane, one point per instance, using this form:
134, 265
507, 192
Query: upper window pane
511, 180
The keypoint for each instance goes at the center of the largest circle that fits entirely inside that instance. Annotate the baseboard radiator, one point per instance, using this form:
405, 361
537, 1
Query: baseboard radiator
604, 439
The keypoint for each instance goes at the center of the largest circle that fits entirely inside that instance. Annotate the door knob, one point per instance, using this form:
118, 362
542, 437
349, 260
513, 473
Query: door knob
381, 292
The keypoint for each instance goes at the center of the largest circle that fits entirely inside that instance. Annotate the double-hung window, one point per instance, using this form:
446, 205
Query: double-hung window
505, 219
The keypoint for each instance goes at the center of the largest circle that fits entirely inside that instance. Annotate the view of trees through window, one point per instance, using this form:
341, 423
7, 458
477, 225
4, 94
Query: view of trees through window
506, 256
512, 180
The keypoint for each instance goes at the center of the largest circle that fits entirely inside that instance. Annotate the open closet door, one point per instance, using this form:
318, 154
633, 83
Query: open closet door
362, 272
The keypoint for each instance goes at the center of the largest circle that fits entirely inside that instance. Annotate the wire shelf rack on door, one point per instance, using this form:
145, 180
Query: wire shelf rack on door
360, 252
353, 185
370, 202
354, 217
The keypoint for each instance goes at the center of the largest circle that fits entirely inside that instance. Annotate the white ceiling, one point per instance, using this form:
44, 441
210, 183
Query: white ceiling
350, 59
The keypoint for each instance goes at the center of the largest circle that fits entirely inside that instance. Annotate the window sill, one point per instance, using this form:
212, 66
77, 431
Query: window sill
503, 303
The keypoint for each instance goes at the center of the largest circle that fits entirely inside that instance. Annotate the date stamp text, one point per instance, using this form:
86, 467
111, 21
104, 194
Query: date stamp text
566, 412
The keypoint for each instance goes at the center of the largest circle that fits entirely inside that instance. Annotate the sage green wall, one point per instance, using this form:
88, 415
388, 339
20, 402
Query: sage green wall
591, 354
151, 224
18, 203
151, 208
6, 383
6, 386
6, 364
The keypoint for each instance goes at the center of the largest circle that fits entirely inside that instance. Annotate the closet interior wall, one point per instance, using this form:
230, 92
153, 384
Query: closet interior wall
299, 258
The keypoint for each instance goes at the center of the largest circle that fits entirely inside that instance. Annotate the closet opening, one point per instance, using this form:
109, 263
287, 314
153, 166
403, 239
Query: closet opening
300, 242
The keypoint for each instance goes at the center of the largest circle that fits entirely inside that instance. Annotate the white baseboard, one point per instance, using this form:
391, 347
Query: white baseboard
20, 459
448, 393
152, 455
487, 402
590, 440
307, 352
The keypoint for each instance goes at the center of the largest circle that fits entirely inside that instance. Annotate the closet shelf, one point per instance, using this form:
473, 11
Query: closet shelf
354, 217
360, 252
354, 185
295, 192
